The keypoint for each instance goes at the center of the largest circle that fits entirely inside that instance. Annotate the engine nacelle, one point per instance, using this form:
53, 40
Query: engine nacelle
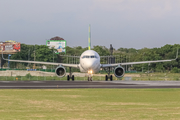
119, 72
60, 71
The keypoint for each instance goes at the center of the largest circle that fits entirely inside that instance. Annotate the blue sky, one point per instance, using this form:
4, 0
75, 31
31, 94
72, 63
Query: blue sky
122, 23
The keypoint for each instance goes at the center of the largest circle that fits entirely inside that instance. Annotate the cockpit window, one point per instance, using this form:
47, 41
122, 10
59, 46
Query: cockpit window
92, 56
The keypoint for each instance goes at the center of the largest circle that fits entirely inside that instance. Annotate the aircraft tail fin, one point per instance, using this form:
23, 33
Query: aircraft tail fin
89, 38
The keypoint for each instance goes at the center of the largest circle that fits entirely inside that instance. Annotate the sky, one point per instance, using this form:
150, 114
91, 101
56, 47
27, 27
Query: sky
122, 23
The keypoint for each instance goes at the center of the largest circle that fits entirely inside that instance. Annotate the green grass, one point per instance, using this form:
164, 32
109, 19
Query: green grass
158, 76
80, 104
101, 77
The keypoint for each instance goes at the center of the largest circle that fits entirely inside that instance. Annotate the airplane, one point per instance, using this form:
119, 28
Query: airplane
90, 63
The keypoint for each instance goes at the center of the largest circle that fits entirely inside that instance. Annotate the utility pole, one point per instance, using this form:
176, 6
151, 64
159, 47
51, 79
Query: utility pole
28, 57
8, 59
34, 57
129, 65
148, 68
53, 54
126, 62
143, 64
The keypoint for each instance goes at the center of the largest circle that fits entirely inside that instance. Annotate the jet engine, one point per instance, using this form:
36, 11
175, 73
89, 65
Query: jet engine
60, 71
119, 71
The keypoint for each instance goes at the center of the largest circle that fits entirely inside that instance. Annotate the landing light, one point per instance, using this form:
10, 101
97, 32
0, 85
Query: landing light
90, 71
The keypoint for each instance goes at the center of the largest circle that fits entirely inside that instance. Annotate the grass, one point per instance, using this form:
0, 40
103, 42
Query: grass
81, 104
158, 76
101, 77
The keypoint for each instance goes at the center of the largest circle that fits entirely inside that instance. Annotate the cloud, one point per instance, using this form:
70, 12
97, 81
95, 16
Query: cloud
36, 10
139, 9
124, 20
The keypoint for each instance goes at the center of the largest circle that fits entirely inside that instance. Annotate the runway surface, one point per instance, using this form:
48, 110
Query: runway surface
87, 84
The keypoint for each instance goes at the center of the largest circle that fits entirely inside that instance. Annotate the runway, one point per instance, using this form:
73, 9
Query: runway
87, 84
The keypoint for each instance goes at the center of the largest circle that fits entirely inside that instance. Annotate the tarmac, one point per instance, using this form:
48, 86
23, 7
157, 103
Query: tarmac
87, 84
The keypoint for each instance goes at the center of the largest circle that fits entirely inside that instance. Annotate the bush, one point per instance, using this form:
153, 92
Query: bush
175, 70
28, 75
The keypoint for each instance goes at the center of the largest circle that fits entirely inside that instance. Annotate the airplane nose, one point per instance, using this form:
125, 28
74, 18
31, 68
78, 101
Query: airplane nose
90, 64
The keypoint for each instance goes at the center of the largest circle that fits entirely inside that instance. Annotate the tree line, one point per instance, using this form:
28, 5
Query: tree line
43, 53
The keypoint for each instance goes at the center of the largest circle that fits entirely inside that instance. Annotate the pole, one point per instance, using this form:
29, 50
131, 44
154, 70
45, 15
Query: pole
129, 61
8, 60
121, 59
53, 54
28, 57
66, 59
53, 57
34, 56
1, 62
143, 64
148, 69
126, 62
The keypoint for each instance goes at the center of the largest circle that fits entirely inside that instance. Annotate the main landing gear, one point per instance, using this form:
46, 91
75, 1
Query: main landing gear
70, 76
108, 76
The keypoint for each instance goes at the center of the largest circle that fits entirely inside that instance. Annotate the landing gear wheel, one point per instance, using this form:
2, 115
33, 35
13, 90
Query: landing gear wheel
106, 78
89, 78
68, 78
72, 77
111, 78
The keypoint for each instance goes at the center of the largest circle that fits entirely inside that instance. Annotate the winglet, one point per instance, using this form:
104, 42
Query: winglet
177, 54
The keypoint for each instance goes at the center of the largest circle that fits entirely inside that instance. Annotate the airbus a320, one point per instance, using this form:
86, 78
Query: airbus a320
90, 63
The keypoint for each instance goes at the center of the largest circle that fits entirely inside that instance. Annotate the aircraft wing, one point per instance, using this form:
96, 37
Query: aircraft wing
47, 63
133, 63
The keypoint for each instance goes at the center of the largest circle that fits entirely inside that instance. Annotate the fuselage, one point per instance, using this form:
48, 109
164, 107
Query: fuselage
90, 62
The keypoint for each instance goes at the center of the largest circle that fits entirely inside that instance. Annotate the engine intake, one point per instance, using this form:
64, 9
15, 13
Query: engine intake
60, 71
119, 72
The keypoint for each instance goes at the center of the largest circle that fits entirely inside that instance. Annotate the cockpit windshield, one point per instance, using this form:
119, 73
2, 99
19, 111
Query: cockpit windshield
87, 56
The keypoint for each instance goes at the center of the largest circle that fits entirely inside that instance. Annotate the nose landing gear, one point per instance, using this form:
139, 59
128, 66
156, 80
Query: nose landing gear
89, 78
90, 75
70, 76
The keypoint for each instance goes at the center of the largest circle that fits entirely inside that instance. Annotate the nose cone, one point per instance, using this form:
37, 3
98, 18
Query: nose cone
90, 64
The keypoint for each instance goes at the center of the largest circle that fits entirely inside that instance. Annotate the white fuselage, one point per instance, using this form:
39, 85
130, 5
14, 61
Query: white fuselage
90, 61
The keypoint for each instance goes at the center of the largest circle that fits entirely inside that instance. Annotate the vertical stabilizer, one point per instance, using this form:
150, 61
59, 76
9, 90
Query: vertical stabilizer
89, 38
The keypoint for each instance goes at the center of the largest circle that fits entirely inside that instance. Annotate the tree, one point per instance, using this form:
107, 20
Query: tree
57, 38
101, 50
42, 53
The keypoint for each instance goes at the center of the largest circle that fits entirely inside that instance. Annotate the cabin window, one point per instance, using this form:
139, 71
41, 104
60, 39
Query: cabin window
86, 56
